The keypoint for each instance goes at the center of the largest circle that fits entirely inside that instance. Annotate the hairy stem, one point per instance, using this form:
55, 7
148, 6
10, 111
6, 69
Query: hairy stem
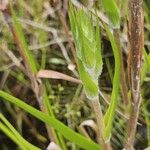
100, 124
135, 43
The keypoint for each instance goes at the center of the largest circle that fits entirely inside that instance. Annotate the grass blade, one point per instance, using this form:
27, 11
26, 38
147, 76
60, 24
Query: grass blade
4, 129
17, 135
56, 124
57, 135
23, 47
109, 116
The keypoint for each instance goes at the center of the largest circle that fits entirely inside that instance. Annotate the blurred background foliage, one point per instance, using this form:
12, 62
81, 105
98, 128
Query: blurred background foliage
47, 30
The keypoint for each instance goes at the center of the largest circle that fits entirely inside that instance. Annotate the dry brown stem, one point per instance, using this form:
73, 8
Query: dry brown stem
135, 43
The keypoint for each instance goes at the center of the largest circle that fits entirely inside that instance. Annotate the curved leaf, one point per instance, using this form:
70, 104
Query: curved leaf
109, 116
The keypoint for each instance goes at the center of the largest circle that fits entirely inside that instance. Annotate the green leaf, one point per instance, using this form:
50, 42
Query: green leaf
4, 129
17, 136
75, 30
146, 66
85, 24
87, 42
112, 12
145, 110
24, 51
109, 115
90, 86
88, 55
56, 124
98, 55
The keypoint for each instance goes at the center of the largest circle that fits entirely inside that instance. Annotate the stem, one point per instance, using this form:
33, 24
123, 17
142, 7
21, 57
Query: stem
135, 43
100, 124
132, 124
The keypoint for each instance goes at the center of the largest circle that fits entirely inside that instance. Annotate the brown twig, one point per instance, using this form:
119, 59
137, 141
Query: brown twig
135, 43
